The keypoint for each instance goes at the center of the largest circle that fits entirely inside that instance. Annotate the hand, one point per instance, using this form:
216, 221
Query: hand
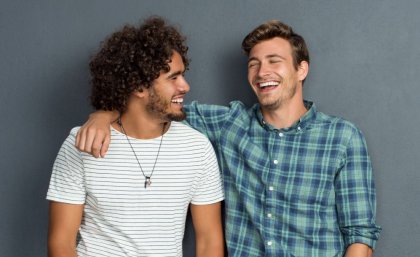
94, 136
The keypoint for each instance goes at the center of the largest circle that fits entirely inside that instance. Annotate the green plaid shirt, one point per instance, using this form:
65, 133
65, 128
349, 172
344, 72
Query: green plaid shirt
303, 191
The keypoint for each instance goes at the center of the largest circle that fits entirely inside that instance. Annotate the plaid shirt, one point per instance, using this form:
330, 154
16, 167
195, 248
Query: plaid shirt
303, 191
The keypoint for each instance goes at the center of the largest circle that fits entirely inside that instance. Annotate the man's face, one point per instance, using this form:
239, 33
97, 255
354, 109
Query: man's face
271, 73
166, 95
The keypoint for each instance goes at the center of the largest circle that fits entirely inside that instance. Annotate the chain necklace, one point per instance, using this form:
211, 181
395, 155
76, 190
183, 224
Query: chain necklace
147, 179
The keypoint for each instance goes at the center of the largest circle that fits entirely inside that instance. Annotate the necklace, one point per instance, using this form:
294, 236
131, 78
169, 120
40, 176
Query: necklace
147, 179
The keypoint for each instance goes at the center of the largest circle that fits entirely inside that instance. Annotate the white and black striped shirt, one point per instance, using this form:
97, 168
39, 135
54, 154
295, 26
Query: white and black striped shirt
121, 217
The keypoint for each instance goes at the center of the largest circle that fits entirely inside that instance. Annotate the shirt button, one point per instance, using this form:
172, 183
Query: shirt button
269, 243
271, 188
276, 161
299, 128
281, 134
269, 215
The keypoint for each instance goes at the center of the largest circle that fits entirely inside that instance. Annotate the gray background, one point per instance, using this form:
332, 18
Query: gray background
364, 68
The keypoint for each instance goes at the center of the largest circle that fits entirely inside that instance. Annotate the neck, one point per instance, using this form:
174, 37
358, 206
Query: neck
142, 126
286, 115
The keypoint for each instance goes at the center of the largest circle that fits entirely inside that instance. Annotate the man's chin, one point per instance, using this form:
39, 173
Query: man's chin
273, 105
180, 116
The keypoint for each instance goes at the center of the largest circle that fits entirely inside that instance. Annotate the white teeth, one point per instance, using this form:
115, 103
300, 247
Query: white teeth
178, 100
268, 83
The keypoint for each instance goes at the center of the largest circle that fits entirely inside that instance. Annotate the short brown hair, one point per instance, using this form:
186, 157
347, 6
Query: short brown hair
275, 28
131, 59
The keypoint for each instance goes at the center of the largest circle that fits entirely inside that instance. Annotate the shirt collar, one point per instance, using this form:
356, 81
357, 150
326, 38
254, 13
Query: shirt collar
301, 124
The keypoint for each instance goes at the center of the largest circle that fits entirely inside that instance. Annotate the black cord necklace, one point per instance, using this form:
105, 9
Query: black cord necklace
147, 179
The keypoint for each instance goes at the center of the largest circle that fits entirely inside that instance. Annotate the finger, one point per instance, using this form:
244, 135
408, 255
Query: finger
81, 134
97, 143
89, 138
105, 145
77, 139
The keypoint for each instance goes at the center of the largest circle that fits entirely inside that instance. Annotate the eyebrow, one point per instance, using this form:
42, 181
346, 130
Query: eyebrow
275, 56
267, 56
174, 74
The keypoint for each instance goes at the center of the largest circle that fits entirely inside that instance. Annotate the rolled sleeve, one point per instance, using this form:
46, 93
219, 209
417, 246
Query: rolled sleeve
355, 194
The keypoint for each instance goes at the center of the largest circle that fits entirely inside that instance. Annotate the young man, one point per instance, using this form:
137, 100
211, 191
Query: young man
134, 202
297, 182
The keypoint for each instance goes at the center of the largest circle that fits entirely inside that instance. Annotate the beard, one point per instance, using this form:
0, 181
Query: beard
274, 104
159, 106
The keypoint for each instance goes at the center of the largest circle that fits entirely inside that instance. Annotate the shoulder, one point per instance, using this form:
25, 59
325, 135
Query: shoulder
181, 131
340, 126
69, 142
68, 148
186, 138
73, 131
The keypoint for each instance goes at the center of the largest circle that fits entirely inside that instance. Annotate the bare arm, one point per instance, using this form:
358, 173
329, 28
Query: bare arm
208, 230
358, 250
64, 222
94, 136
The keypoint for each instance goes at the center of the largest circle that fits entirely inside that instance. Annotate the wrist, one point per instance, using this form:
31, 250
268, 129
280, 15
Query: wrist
110, 116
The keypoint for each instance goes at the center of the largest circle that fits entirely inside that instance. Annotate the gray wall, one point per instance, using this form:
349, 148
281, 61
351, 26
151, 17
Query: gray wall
364, 68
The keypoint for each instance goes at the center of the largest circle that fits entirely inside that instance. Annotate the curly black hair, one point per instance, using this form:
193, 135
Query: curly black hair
131, 59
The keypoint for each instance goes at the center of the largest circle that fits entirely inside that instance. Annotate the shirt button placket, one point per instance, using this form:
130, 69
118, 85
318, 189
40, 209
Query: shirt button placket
269, 218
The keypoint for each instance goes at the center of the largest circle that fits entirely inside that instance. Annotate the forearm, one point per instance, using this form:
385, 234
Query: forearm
208, 230
64, 222
358, 250
61, 250
109, 115
209, 247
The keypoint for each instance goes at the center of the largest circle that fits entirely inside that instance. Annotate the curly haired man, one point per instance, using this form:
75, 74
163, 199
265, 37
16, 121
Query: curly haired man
134, 201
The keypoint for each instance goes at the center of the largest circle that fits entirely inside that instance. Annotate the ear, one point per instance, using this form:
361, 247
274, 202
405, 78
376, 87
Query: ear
303, 70
140, 93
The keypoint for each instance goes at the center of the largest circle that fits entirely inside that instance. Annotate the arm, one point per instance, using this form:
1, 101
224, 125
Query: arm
208, 230
356, 197
205, 207
210, 119
94, 136
64, 222
358, 250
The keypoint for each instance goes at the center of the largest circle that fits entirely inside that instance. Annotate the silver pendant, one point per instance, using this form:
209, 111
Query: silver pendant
147, 182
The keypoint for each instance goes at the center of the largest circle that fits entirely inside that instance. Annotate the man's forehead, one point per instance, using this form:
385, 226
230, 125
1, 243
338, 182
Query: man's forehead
275, 47
176, 66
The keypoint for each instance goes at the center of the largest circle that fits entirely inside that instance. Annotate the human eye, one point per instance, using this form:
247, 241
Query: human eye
252, 64
275, 60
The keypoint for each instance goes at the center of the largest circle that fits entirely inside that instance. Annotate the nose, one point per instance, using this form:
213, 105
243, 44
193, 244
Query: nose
183, 85
263, 70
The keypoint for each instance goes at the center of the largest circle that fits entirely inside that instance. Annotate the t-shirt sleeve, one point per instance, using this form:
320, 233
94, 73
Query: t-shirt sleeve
209, 188
67, 178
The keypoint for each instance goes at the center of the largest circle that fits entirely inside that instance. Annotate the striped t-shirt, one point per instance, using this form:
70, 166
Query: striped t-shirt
123, 218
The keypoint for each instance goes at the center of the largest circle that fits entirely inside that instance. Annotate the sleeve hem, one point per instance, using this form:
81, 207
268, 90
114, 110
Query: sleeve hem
61, 199
216, 200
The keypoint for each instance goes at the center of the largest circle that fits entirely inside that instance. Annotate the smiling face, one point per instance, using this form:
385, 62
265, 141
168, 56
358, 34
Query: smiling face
166, 95
272, 75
